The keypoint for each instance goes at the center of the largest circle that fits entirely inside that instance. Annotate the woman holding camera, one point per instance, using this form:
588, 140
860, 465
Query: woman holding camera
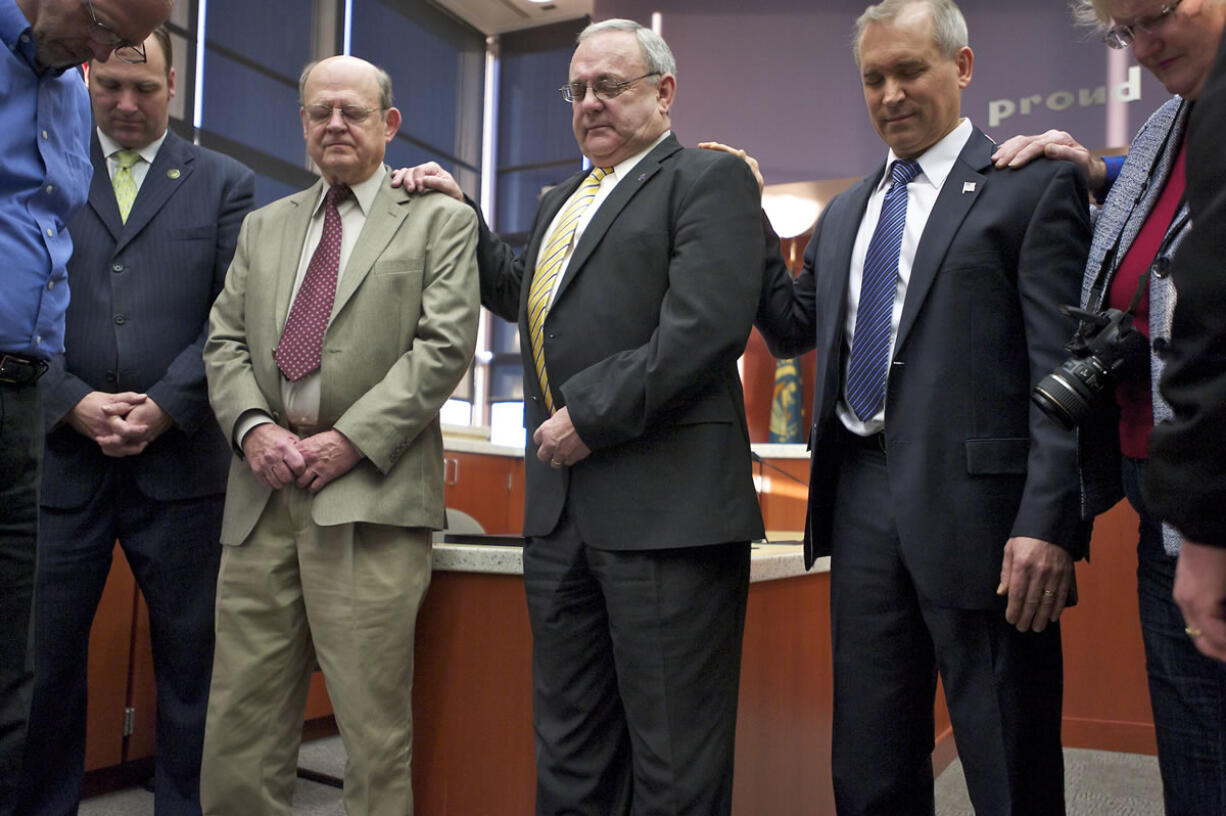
1142, 220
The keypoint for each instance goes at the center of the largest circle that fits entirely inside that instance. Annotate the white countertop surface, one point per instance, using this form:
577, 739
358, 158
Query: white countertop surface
768, 562
459, 440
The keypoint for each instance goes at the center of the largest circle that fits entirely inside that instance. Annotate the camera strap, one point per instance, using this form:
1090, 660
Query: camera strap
1142, 282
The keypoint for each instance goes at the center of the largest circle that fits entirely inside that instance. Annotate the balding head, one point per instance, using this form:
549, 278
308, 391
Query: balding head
347, 117
71, 32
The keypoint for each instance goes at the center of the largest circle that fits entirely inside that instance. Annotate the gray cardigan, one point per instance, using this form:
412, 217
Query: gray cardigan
1142, 177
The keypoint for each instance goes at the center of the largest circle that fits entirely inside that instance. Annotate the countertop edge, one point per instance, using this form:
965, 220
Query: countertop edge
768, 562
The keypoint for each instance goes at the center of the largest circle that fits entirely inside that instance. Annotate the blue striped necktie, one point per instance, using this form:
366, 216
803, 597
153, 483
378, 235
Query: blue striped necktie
870, 342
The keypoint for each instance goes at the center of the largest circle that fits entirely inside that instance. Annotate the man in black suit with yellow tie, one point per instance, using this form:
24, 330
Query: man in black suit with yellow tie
946, 500
133, 452
634, 300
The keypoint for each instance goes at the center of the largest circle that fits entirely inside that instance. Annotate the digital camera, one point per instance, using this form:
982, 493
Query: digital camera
1105, 345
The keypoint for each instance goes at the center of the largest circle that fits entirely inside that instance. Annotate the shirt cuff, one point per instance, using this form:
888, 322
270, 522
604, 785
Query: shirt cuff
1113, 163
247, 422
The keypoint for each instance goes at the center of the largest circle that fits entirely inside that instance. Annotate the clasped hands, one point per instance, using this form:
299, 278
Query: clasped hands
279, 457
122, 424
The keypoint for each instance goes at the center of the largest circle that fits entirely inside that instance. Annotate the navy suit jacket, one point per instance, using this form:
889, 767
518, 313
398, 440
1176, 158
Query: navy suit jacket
641, 345
141, 294
972, 461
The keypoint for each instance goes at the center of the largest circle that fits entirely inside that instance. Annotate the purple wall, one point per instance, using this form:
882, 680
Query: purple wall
777, 77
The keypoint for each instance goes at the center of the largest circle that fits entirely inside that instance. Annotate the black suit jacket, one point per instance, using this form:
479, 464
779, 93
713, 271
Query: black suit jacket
641, 345
141, 294
1186, 482
972, 461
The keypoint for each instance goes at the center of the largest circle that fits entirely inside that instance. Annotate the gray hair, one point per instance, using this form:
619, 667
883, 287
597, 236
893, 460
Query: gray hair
657, 56
948, 24
1094, 14
385, 84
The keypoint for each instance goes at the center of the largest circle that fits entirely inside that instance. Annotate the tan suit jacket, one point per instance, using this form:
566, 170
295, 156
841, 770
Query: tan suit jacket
401, 336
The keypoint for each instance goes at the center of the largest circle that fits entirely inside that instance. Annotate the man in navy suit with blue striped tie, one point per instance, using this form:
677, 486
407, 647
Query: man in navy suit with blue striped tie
133, 452
946, 501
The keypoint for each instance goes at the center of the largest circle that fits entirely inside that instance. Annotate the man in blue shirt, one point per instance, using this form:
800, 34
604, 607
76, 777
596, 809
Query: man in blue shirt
44, 177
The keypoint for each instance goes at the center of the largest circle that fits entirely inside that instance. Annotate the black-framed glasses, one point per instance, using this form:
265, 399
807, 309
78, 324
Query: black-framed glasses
104, 35
604, 88
352, 114
1121, 36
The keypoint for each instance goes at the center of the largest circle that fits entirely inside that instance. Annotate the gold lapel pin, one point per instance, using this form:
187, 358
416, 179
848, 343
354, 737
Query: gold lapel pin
173, 173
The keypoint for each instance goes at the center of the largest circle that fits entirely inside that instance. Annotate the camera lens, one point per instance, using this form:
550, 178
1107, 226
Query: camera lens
1067, 394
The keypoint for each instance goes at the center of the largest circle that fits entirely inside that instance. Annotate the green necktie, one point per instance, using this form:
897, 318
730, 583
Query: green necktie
549, 265
124, 182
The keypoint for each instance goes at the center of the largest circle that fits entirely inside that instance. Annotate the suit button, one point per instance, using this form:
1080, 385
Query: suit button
1161, 267
110, 377
116, 267
120, 320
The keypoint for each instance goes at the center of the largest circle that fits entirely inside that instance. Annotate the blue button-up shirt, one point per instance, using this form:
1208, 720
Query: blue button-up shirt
44, 179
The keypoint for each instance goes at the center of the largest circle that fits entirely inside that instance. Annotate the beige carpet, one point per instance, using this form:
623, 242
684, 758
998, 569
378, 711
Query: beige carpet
1099, 783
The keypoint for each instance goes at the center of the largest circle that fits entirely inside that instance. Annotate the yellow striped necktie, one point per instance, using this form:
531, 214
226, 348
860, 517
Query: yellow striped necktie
124, 182
549, 266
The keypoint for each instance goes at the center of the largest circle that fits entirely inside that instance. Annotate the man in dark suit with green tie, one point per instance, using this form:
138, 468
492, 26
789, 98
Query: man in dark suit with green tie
132, 451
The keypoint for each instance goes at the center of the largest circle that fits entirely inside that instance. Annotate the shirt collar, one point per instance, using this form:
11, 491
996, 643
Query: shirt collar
935, 162
110, 147
364, 192
623, 167
14, 26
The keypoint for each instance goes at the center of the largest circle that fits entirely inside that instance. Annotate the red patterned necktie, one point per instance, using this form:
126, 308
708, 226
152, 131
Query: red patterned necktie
302, 341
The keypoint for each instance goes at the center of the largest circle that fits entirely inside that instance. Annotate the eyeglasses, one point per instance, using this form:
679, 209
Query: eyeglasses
604, 88
352, 114
1121, 36
104, 35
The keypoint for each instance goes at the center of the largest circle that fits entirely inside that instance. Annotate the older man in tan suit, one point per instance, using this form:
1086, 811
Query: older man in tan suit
348, 316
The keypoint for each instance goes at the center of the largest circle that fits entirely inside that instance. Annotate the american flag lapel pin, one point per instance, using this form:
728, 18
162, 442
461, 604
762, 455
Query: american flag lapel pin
642, 176
968, 187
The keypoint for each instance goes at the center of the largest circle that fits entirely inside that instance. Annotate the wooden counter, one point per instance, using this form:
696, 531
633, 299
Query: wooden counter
472, 698
472, 708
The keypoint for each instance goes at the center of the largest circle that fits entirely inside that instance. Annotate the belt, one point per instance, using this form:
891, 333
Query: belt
16, 369
303, 431
874, 442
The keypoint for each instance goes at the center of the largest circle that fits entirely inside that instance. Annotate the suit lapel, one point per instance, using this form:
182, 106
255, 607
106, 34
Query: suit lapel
831, 293
612, 206
387, 212
171, 167
958, 194
102, 193
290, 251
552, 203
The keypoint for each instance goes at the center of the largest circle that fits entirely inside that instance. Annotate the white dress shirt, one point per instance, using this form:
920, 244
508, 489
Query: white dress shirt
139, 169
621, 170
935, 164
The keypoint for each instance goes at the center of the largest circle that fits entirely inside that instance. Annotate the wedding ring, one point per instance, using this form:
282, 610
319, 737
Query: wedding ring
1049, 592
1193, 632
554, 463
